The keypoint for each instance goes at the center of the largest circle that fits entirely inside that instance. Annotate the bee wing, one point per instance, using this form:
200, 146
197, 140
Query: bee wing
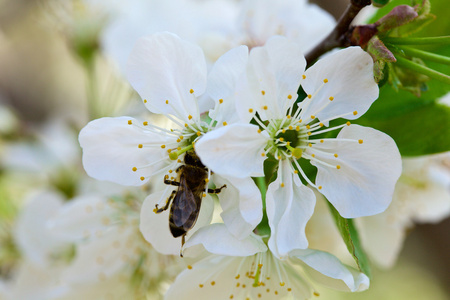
185, 207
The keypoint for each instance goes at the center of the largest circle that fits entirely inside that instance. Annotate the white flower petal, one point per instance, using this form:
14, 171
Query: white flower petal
216, 239
164, 67
222, 81
233, 150
288, 208
337, 275
111, 150
241, 204
350, 82
155, 227
364, 183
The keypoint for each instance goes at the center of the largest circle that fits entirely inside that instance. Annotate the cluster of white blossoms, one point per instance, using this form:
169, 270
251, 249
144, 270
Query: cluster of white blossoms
242, 112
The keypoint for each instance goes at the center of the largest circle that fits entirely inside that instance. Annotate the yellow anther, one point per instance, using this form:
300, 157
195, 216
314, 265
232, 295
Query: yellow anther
283, 131
316, 294
163, 146
304, 76
250, 110
309, 133
288, 143
313, 155
189, 117
155, 210
263, 92
169, 150
279, 157
321, 124
321, 141
265, 107
220, 101
282, 184
145, 100
281, 139
142, 178
237, 276
145, 123
191, 91
186, 125
297, 128
360, 141
231, 296
130, 122
282, 283
170, 171
200, 285
259, 130
348, 123
335, 155
206, 180
213, 282
268, 290
331, 98
178, 140
313, 117
325, 80
225, 123
338, 167
355, 113
263, 154
204, 195
244, 286
289, 97
199, 133
178, 148
289, 289
181, 137
134, 169
238, 284
308, 127
140, 146
288, 116
290, 127
309, 96
167, 101
309, 145
189, 267
295, 171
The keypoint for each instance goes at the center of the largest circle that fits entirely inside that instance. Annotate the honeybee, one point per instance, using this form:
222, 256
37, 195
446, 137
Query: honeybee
187, 199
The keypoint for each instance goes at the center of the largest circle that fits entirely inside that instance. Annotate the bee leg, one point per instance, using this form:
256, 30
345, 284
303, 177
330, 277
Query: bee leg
170, 182
160, 210
216, 191
182, 244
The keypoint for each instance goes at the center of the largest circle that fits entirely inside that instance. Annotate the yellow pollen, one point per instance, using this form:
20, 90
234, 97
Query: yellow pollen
167, 101
282, 283
206, 180
355, 113
170, 171
189, 117
265, 107
178, 148
268, 290
309, 96
145, 100
297, 128
338, 167
313, 155
145, 123
178, 140
220, 101
331, 98
259, 295
289, 289
186, 125
290, 127
316, 294
321, 141
325, 80
295, 171
276, 292
283, 131
191, 91
140, 146
199, 133
263, 154
169, 150
238, 284
181, 137
134, 169
281, 139
279, 157
189, 267
304, 76
321, 124
224, 123
238, 276
231, 296
204, 195
282, 184
288, 143
335, 155
288, 116
313, 117
309, 145
289, 97
259, 130
309, 133
360, 141
308, 127
244, 287
263, 92
200, 285
213, 282
348, 123
163, 146
250, 110
320, 187
130, 122
142, 178
155, 210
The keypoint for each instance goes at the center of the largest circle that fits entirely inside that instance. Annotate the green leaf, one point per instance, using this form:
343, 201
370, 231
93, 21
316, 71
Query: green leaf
351, 239
421, 129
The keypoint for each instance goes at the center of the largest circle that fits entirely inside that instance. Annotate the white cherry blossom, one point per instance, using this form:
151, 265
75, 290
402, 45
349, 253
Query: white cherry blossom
171, 77
246, 269
356, 171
